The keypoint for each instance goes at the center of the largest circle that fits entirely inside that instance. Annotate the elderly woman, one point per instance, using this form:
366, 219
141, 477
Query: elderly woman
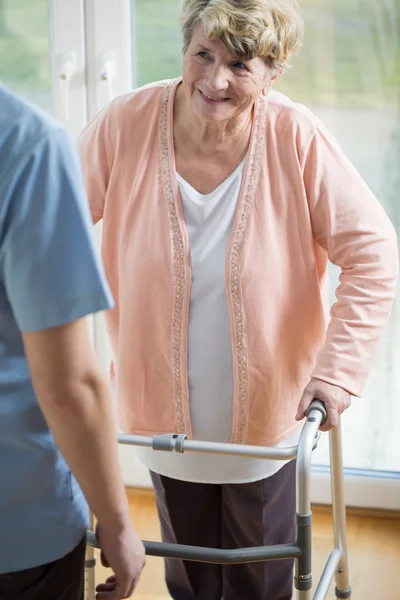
222, 202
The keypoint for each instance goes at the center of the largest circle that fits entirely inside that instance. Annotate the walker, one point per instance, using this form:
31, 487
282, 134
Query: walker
337, 564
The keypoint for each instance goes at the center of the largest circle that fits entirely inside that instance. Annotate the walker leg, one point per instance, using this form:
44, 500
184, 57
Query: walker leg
343, 589
303, 518
90, 576
304, 595
303, 577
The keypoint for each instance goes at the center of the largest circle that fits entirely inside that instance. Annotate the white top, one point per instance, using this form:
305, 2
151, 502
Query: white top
209, 219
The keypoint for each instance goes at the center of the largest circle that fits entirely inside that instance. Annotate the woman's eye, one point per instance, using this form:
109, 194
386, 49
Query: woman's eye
239, 65
203, 54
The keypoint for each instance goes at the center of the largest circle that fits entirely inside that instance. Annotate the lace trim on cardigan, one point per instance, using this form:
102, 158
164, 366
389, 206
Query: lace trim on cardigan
257, 151
178, 266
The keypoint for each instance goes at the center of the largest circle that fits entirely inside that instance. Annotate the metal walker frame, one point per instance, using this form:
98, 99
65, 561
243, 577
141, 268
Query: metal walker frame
337, 564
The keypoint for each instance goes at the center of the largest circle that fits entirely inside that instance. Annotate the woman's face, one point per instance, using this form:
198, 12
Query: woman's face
221, 86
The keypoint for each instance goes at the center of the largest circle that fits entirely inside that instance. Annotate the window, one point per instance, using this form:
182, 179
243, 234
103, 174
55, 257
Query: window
42, 56
348, 73
157, 49
25, 49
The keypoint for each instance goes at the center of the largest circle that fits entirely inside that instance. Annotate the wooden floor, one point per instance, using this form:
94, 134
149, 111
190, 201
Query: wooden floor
374, 545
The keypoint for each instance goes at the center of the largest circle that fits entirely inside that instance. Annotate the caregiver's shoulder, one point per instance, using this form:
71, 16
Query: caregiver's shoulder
22, 128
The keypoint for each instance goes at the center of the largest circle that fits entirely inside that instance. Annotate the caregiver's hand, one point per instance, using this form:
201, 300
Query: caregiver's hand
336, 400
124, 553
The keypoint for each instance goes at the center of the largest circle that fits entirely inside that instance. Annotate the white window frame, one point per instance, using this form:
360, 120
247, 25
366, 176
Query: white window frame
108, 31
108, 38
68, 58
108, 54
67, 37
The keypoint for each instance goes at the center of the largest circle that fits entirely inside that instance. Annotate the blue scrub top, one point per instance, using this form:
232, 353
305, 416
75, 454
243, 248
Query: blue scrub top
50, 274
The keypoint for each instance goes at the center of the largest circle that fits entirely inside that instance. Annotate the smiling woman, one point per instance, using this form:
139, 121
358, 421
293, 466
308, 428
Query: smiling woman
223, 201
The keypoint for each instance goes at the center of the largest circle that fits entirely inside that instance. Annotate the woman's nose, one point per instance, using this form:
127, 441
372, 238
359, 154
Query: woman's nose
218, 78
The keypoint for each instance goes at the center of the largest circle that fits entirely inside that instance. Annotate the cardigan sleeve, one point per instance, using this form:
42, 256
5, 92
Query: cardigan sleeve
93, 145
353, 229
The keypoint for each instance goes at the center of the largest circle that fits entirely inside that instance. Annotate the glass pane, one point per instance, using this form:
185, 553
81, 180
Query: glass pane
348, 73
24, 49
157, 51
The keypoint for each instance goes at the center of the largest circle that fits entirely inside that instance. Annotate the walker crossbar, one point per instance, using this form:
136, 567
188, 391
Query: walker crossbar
301, 550
215, 555
172, 442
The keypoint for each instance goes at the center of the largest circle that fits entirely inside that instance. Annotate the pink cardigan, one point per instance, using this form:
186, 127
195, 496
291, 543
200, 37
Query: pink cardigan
301, 203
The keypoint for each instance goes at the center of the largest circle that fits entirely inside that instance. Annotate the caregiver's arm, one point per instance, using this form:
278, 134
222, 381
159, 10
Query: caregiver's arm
76, 402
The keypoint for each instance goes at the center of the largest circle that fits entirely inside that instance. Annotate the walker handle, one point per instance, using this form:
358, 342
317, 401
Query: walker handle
319, 406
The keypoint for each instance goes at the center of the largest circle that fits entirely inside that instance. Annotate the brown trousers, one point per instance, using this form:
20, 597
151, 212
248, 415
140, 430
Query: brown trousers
63, 579
228, 516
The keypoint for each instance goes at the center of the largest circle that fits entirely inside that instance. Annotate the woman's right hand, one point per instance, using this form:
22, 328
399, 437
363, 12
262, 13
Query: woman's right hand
124, 554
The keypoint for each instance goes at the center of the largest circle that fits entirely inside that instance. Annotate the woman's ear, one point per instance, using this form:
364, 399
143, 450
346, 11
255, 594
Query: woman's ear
277, 73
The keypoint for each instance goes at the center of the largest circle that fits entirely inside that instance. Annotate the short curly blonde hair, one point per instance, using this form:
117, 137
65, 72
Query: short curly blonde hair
249, 28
